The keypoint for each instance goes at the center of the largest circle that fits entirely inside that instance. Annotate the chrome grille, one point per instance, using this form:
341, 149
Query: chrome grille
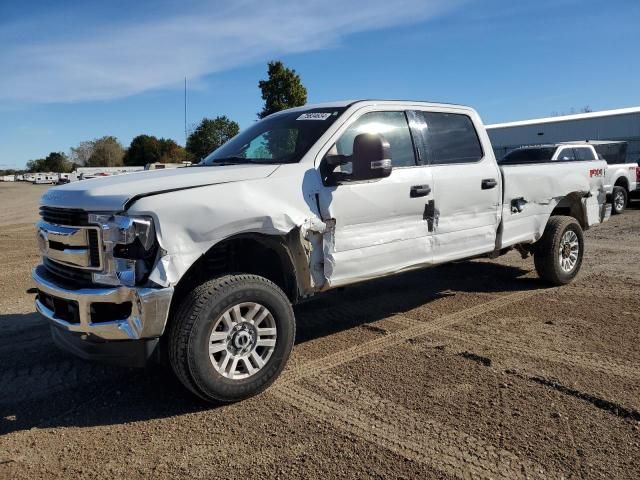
70, 246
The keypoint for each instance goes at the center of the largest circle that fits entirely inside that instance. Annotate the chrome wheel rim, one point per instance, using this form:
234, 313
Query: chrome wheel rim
569, 251
242, 340
618, 201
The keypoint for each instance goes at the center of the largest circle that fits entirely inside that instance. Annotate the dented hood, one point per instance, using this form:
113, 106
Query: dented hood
112, 193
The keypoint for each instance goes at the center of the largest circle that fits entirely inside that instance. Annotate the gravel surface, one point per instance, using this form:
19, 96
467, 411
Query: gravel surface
19, 202
474, 369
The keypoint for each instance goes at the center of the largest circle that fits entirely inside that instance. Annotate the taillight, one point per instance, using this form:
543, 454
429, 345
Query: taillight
637, 174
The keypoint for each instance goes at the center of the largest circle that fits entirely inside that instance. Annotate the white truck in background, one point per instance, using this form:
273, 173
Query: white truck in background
622, 173
202, 264
621, 176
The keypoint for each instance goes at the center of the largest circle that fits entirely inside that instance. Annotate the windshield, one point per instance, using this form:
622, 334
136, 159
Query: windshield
528, 155
282, 138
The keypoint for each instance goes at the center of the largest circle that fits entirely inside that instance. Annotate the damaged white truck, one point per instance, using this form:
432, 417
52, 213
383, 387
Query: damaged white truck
202, 264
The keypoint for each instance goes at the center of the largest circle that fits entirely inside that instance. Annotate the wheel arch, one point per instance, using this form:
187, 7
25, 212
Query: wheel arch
623, 182
269, 256
572, 205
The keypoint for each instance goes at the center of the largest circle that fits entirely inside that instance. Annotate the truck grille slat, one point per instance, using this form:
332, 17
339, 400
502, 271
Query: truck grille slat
75, 276
63, 216
94, 247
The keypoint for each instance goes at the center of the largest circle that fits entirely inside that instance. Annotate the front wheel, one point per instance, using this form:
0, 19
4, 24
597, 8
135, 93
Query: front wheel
231, 337
619, 200
558, 254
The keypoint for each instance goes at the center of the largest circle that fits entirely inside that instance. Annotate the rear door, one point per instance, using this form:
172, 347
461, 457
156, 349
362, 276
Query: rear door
467, 186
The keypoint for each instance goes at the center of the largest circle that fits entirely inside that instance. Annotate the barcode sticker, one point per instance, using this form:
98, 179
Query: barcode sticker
314, 116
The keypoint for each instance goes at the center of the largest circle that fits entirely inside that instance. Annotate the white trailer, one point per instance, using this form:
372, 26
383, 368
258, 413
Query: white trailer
45, 178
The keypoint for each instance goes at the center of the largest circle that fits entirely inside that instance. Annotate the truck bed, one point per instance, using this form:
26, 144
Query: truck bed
532, 191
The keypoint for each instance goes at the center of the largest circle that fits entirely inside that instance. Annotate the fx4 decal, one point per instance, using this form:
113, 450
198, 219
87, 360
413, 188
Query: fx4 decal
596, 172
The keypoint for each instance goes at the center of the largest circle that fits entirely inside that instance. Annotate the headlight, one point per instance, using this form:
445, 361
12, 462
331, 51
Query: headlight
129, 248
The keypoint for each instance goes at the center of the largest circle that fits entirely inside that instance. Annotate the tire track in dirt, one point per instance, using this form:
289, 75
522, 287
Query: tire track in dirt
609, 406
597, 292
513, 344
319, 365
613, 247
404, 432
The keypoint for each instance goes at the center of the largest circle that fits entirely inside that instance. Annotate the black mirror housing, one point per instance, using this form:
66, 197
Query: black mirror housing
371, 157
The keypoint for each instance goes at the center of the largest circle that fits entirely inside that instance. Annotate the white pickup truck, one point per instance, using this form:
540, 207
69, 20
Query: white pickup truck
620, 177
622, 174
205, 262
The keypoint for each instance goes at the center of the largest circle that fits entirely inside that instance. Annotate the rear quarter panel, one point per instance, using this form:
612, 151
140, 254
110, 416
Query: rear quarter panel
617, 171
542, 187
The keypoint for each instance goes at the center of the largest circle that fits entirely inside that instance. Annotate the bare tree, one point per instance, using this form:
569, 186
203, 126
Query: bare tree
81, 154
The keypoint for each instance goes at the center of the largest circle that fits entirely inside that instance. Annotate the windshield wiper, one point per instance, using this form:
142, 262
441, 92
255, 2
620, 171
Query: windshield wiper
231, 161
242, 160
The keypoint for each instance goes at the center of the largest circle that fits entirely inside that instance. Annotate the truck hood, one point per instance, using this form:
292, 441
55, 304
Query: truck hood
112, 193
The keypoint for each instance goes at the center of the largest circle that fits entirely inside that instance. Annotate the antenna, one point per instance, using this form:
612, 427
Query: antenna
185, 112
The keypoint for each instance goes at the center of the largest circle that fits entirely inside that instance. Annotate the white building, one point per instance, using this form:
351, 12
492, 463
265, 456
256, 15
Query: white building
621, 124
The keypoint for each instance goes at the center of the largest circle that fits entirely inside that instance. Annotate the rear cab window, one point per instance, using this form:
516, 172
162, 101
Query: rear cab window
444, 138
584, 153
566, 155
528, 155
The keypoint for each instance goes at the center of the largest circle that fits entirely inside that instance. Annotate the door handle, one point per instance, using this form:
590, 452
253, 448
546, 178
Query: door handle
419, 191
489, 183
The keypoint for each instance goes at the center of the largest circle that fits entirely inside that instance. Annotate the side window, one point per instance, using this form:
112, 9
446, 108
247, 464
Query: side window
444, 138
583, 154
391, 125
566, 155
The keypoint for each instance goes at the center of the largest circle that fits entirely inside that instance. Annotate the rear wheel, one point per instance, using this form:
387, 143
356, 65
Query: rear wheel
231, 337
558, 254
619, 199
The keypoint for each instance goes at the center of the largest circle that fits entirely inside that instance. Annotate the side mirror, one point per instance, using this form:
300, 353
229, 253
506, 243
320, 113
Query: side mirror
371, 157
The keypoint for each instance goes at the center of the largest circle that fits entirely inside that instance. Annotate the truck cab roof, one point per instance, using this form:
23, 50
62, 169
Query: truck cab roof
371, 102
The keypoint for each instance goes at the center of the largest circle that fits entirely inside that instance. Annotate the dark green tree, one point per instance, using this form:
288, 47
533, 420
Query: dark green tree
143, 149
36, 165
57, 162
283, 89
210, 134
146, 149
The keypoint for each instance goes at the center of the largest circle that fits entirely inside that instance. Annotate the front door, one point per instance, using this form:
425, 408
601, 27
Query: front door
380, 225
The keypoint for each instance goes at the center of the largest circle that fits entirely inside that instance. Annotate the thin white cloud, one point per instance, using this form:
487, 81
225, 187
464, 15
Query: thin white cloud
106, 60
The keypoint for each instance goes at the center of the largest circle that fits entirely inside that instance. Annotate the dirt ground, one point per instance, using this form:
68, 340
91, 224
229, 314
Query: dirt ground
19, 202
474, 369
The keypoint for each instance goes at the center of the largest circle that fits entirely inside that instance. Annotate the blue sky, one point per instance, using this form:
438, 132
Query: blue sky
79, 70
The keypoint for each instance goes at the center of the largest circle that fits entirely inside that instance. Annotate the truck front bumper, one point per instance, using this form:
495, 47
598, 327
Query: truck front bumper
102, 314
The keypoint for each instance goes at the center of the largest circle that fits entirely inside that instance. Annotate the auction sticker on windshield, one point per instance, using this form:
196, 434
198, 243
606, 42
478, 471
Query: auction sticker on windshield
314, 116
